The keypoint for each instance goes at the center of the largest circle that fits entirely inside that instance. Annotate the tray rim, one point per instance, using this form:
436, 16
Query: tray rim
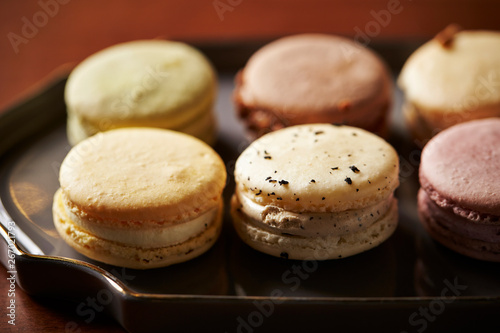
119, 286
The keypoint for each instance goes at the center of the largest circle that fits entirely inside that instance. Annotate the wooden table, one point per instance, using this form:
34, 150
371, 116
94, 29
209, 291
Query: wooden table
47, 315
37, 37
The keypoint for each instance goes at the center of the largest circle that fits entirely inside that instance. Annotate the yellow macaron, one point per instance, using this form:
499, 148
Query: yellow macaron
140, 197
145, 83
316, 191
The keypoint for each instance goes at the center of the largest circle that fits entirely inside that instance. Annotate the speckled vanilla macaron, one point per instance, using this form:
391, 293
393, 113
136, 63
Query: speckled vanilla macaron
140, 197
451, 79
145, 83
316, 191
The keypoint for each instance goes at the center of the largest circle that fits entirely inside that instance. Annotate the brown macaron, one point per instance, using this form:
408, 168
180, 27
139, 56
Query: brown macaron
313, 78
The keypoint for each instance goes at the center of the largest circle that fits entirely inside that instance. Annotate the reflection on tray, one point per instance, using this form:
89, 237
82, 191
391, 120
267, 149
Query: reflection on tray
232, 268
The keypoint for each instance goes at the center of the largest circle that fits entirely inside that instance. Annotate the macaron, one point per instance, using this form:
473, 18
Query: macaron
316, 191
459, 198
145, 83
140, 197
313, 78
451, 79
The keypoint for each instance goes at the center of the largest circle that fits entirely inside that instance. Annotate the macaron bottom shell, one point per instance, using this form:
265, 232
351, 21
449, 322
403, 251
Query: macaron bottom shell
260, 121
255, 273
317, 248
123, 255
469, 245
202, 126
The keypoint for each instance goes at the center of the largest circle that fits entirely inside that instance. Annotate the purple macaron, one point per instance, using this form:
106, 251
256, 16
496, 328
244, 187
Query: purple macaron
459, 198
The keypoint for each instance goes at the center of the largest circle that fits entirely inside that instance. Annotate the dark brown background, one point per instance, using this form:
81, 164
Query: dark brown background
80, 28
75, 29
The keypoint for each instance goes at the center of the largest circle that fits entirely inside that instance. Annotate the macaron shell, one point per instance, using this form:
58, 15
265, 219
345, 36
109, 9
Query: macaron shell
483, 230
471, 247
130, 256
314, 248
326, 79
202, 126
141, 83
318, 168
460, 168
459, 80
142, 174
424, 125
137, 233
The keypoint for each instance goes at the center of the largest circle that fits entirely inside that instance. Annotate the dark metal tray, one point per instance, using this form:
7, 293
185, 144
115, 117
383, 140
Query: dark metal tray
409, 283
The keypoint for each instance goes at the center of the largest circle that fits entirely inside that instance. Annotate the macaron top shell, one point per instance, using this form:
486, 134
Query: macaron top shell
462, 76
143, 80
460, 168
142, 174
317, 168
324, 75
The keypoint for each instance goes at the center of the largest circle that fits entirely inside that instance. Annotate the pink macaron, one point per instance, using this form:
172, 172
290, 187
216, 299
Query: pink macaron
459, 198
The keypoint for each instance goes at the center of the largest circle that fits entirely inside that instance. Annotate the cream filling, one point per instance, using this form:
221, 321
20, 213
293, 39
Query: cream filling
278, 220
161, 236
